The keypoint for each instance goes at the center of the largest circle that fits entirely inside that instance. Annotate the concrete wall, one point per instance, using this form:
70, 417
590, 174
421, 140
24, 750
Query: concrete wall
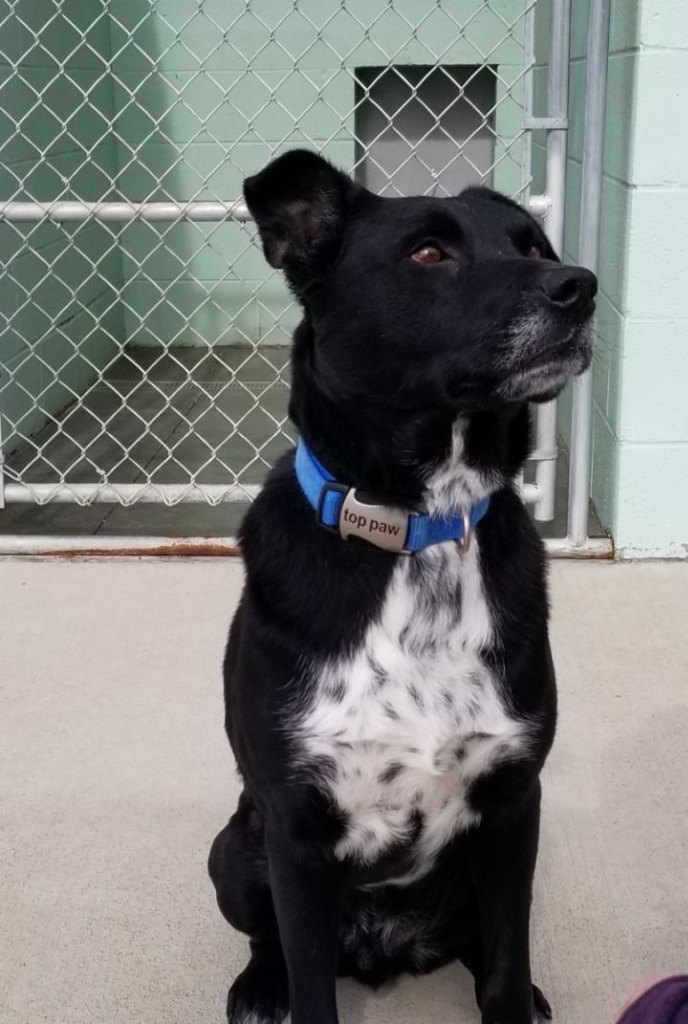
57, 318
208, 94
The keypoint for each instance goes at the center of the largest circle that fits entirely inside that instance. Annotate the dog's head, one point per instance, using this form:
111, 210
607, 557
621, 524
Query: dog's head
414, 302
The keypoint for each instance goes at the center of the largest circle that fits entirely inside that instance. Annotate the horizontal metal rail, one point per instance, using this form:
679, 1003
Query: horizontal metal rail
101, 546
162, 494
125, 494
591, 547
73, 212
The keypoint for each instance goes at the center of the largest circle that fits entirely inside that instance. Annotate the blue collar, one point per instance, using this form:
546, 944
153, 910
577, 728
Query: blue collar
349, 513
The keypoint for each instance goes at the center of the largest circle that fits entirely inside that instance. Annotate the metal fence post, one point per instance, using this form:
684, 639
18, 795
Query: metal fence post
590, 212
557, 102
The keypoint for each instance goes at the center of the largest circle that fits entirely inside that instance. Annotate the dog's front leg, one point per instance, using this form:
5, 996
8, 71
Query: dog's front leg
504, 857
307, 895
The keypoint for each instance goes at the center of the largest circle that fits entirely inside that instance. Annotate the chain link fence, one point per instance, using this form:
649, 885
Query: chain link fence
144, 341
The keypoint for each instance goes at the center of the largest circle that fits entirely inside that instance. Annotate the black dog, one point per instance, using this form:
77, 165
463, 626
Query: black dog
390, 697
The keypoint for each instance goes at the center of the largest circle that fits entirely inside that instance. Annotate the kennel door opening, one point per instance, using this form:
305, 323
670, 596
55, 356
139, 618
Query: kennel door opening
423, 130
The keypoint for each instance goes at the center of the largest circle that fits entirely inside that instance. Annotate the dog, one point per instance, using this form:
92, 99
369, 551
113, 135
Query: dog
390, 694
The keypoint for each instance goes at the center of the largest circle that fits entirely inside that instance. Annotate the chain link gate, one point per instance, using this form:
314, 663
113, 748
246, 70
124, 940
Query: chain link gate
144, 350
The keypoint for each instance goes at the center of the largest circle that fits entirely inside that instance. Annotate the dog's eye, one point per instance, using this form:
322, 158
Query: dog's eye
534, 253
427, 254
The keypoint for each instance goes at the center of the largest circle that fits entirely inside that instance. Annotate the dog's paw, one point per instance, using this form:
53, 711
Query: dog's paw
256, 998
543, 1011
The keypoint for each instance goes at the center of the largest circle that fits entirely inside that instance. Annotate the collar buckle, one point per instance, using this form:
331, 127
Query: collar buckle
325, 513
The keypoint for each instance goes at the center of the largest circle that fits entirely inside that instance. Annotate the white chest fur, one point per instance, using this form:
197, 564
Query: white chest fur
403, 726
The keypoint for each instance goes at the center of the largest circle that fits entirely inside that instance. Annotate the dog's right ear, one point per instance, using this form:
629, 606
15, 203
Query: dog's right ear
299, 204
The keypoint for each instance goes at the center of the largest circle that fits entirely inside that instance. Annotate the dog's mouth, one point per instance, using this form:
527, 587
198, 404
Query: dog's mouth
540, 363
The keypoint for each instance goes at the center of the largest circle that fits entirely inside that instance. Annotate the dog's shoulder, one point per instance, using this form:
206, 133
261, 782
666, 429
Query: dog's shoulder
515, 572
321, 591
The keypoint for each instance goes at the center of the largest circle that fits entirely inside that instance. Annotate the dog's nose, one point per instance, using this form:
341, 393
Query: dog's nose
568, 287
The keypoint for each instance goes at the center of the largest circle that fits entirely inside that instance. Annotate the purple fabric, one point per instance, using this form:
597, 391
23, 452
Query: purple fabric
664, 1003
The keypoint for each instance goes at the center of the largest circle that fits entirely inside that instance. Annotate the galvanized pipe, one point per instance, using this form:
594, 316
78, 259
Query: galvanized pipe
558, 106
126, 494
539, 205
528, 90
592, 547
588, 250
71, 212
557, 102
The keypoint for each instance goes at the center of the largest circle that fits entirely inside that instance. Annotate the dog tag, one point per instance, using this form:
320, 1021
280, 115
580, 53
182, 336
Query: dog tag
380, 525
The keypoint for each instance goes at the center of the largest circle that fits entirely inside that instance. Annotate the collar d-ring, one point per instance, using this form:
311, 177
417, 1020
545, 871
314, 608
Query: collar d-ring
463, 543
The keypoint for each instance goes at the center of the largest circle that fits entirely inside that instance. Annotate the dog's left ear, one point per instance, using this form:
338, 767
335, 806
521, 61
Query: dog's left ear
299, 204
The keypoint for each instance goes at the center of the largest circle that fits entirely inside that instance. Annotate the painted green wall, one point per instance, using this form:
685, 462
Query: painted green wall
208, 94
58, 304
640, 458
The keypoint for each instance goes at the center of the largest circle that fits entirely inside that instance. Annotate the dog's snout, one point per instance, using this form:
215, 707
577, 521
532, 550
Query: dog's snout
568, 287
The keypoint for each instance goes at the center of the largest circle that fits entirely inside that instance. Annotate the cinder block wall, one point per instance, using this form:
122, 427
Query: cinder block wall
207, 94
641, 413
640, 457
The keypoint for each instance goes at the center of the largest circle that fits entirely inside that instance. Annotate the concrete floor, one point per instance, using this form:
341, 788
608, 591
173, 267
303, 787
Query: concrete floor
115, 776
